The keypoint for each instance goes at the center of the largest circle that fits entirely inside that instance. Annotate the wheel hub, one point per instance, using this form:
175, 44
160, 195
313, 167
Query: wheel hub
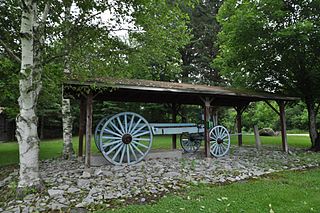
219, 141
126, 138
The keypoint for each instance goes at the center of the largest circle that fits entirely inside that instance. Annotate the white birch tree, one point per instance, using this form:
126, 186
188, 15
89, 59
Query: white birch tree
29, 87
67, 120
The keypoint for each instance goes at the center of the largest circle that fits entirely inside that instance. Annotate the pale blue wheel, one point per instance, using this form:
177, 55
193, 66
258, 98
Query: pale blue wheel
125, 138
219, 141
98, 130
188, 143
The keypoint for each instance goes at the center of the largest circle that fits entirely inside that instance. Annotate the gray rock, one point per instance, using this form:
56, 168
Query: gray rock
73, 190
83, 183
55, 192
64, 187
171, 174
108, 173
78, 210
88, 200
58, 206
86, 174
98, 172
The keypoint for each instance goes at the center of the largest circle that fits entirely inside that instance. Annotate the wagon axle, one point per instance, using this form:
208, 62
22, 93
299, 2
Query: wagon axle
127, 138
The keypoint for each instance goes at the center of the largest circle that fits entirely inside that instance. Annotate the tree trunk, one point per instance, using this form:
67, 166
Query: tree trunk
68, 151
29, 88
314, 135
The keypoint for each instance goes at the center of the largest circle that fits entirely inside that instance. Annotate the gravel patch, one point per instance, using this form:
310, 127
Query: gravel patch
72, 187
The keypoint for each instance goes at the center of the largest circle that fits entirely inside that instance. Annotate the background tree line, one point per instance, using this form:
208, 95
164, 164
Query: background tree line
168, 55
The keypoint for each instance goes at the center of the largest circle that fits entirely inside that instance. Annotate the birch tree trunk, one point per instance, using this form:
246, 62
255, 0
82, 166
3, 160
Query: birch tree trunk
29, 88
68, 151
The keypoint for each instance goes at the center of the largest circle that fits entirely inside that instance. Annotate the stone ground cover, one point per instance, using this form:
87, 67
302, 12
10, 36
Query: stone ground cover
9, 152
71, 187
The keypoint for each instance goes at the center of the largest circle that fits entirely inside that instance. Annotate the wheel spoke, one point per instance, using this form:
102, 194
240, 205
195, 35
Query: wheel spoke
222, 148
216, 132
140, 144
128, 155
112, 143
111, 138
130, 125
224, 135
121, 126
134, 154
135, 126
141, 134
115, 127
138, 130
219, 132
219, 149
213, 143
122, 153
134, 146
213, 138
112, 132
214, 148
118, 151
113, 148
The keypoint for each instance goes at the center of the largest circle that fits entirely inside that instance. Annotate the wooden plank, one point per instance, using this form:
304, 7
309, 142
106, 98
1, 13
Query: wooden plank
240, 109
239, 126
272, 107
88, 129
207, 102
82, 124
257, 137
285, 147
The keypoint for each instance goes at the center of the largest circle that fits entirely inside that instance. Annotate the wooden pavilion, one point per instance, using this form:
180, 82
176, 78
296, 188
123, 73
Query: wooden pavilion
132, 90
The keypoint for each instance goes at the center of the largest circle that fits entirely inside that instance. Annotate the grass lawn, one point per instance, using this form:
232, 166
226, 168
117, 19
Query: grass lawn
53, 148
281, 192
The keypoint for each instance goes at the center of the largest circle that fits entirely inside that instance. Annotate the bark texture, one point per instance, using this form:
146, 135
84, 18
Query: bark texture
29, 88
314, 135
68, 151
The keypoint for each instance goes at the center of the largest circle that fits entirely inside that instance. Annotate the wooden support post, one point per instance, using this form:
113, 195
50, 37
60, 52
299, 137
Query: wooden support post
207, 103
257, 137
174, 120
282, 105
239, 125
240, 109
88, 129
82, 124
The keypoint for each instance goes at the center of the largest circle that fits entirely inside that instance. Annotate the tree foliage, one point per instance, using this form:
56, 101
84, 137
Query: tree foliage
198, 54
273, 46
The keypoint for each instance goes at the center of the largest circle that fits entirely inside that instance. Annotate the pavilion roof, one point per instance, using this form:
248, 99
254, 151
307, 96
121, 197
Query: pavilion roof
137, 90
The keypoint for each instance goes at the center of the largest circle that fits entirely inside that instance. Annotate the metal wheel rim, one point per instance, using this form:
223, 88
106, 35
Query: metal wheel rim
98, 130
218, 148
188, 145
126, 138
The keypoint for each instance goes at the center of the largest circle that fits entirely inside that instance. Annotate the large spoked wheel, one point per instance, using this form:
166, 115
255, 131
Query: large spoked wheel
98, 130
188, 144
125, 138
219, 141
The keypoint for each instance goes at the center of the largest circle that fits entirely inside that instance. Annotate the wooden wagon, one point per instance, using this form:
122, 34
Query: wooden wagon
127, 137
